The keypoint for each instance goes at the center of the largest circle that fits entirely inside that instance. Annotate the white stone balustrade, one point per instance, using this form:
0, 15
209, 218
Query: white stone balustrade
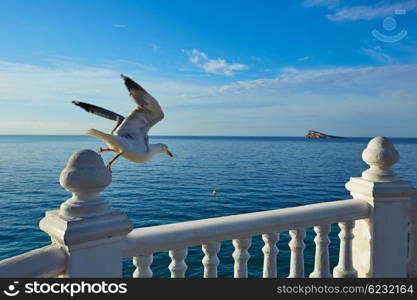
380, 242
270, 251
210, 260
90, 238
241, 256
297, 253
412, 250
49, 261
86, 226
178, 265
345, 267
143, 266
321, 261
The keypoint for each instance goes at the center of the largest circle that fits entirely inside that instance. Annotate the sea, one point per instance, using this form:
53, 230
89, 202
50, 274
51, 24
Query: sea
249, 174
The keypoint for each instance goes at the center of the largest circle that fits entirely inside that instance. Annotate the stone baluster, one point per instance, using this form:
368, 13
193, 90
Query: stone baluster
412, 250
142, 264
345, 267
210, 260
86, 226
178, 265
297, 253
241, 256
321, 262
380, 242
270, 251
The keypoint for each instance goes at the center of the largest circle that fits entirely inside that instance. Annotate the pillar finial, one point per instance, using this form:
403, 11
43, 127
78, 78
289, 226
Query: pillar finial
380, 155
85, 176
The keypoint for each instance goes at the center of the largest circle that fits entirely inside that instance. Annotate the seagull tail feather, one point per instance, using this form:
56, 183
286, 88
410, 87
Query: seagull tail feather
109, 139
96, 133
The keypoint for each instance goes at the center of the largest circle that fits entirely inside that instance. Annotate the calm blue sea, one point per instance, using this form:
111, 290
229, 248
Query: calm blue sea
250, 174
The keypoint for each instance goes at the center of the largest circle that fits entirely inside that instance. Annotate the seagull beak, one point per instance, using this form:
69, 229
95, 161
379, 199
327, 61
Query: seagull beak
170, 154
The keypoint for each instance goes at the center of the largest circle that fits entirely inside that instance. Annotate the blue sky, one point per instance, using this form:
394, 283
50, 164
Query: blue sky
270, 68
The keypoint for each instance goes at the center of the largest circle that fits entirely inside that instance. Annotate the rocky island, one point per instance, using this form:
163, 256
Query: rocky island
311, 134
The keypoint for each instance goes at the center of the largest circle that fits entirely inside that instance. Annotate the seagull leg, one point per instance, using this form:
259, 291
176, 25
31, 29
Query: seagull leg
112, 161
103, 150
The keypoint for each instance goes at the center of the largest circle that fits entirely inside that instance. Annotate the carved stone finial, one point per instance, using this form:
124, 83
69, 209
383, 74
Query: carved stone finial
380, 155
85, 176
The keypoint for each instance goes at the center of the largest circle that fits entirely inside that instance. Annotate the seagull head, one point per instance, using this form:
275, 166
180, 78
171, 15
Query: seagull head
164, 149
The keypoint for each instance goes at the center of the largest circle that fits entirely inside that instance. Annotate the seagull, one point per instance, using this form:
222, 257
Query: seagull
129, 139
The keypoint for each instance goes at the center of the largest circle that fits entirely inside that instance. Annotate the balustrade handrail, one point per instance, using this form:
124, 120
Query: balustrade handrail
49, 261
153, 239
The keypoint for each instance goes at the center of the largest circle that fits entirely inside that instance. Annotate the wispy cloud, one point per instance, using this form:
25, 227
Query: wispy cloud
57, 85
358, 80
376, 11
119, 25
304, 58
379, 56
296, 97
342, 12
330, 4
123, 64
51, 85
215, 66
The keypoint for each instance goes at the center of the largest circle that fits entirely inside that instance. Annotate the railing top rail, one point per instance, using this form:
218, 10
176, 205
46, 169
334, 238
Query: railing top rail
49, 261
186, 234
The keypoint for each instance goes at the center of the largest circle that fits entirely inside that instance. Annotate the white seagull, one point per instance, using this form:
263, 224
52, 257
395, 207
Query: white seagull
129, 138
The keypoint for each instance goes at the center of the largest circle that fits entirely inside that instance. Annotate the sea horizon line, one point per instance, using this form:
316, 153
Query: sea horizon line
217, 136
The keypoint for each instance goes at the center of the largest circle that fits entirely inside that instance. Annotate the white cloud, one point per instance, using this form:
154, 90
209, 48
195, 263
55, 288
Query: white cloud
39, 98
215, 66
377, 54
43, 84
304, 58
119, 25
381, 9
123, 64
330, 4
376, 11
55, 85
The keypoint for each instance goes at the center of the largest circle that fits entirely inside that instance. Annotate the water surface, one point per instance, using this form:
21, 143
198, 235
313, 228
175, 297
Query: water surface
249, 173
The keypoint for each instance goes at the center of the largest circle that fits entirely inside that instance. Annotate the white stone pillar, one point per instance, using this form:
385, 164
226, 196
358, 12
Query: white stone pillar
412, 249
380, 242
86, 226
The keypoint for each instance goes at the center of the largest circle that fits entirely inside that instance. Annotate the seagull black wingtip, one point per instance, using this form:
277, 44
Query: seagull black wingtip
80, 104
83, 105
132, 85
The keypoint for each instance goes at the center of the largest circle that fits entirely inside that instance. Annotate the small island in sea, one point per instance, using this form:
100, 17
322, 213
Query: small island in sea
311, 134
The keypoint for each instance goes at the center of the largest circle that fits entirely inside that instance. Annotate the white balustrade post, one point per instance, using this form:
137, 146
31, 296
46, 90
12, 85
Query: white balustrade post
210, 259
270, 251
321, 261
241, 256
143, 266
412, 250
380, 242
86, 226
297, 247
178, 265
345, 268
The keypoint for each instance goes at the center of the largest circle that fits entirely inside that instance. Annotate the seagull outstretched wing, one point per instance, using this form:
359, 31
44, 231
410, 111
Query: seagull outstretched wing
102, 112
99, 111
147, 113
